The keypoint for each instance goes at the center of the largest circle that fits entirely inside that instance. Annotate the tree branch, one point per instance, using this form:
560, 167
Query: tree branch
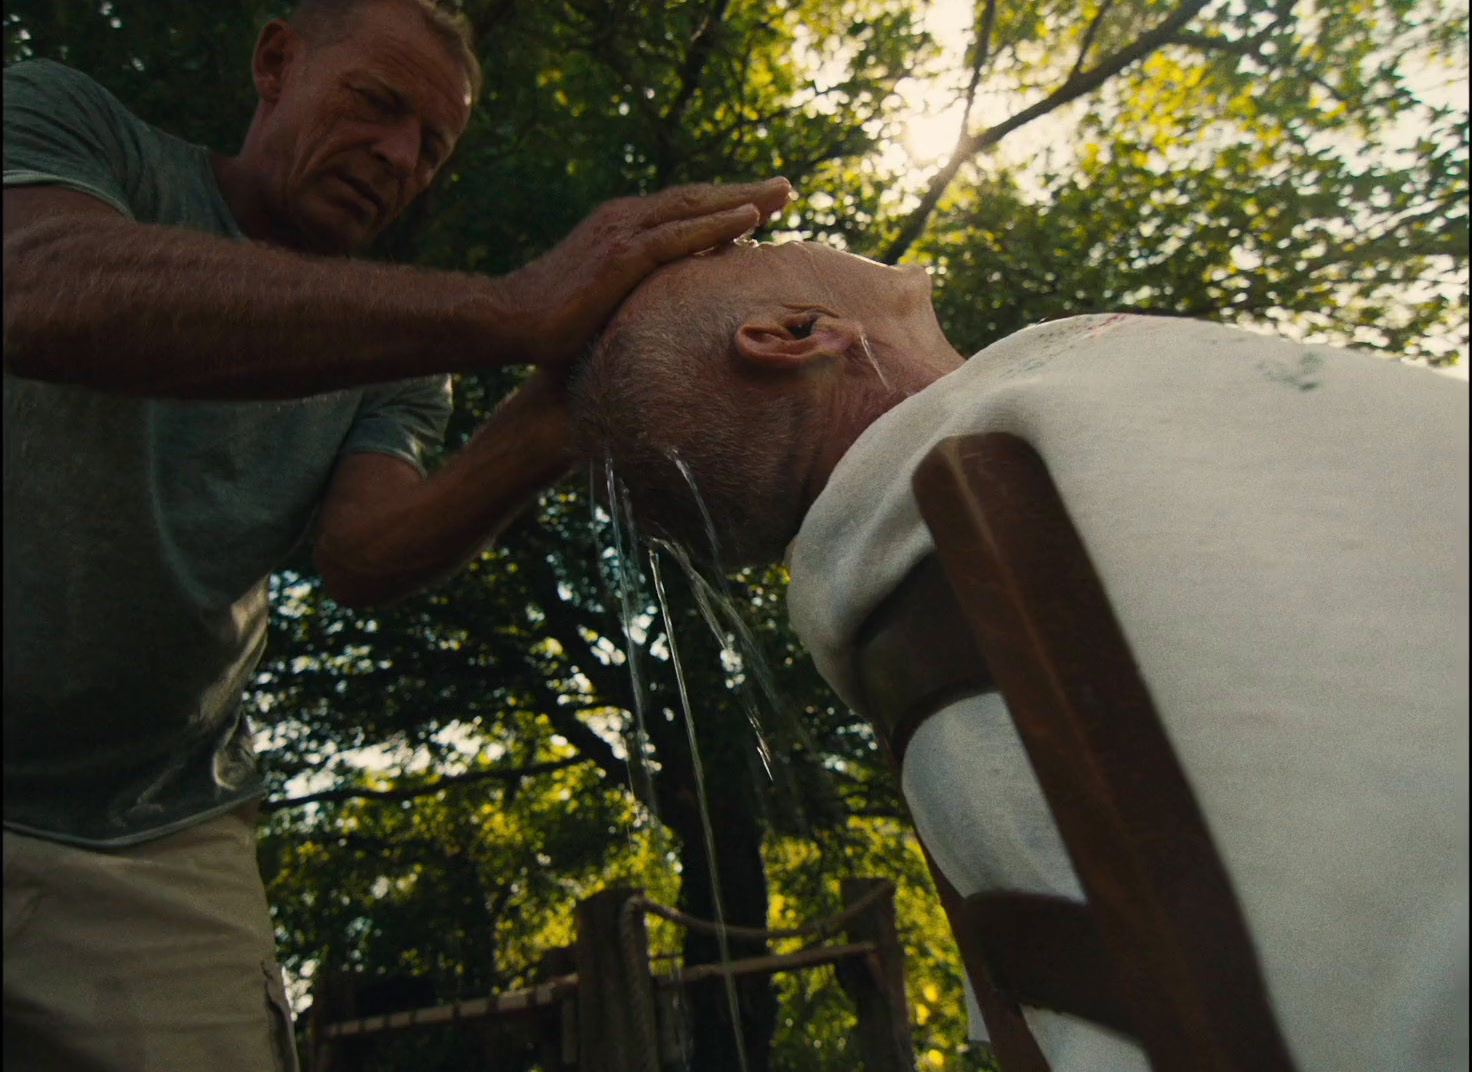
1071, 89
1083, 49
452, 781
983, 53
1448, 241
878, 813
582, 737
702, 43
608, 680
1251, 48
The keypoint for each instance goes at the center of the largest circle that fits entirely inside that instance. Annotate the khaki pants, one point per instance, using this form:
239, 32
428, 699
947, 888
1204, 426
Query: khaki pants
155, 958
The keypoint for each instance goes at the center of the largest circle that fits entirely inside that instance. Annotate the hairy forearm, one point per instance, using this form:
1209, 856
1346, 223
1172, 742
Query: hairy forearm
165, 312
423, 535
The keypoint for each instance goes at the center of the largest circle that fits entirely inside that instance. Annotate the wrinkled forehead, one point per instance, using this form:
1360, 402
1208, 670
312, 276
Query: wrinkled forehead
757, 271
393, 43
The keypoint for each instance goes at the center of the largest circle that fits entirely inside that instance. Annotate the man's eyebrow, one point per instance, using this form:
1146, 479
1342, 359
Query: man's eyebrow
387, 88
402, 103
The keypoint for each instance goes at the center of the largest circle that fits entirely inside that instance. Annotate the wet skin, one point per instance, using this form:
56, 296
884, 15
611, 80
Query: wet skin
823, 343
853, 335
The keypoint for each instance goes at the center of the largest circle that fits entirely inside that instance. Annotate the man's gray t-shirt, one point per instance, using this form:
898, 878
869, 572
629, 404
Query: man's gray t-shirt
139, 535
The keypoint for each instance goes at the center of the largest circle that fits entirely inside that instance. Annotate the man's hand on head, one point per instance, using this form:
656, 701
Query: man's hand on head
565, 296
154, 298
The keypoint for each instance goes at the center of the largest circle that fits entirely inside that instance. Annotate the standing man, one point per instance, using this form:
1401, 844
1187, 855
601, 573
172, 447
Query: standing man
196, 379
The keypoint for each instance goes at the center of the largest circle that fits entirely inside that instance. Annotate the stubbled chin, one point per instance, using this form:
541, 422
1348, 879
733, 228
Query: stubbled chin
330, 228
336, 239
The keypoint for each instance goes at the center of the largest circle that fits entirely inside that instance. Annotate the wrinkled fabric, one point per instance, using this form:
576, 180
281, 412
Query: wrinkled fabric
131, 960
1282, 531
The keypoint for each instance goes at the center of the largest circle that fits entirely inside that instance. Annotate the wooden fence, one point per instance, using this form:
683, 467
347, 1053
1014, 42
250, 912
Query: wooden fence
600, 1007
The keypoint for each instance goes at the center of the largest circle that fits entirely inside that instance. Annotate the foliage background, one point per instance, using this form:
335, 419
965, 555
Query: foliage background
450, 774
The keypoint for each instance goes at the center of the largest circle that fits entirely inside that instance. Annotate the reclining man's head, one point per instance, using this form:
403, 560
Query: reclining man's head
756, 366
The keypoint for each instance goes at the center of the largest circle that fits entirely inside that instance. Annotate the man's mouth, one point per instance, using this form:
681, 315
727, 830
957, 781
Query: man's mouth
364, 192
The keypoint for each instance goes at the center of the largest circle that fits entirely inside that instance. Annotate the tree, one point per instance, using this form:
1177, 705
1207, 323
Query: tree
1239, 166
1235, 160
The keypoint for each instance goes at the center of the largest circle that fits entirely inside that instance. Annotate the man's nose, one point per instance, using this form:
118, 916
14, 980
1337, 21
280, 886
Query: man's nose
398, 145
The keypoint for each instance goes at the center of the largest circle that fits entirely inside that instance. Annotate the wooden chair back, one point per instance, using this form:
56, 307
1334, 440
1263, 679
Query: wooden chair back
1010, 601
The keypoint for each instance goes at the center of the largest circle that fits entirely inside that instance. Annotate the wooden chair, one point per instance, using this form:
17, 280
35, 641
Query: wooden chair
1011, 602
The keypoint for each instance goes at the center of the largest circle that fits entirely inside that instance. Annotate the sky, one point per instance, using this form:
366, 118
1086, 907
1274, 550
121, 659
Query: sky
933, 123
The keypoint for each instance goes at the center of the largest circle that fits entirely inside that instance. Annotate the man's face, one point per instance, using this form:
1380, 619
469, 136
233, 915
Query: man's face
361, 126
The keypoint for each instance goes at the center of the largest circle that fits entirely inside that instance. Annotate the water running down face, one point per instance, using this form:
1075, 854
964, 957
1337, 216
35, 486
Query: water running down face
747, 372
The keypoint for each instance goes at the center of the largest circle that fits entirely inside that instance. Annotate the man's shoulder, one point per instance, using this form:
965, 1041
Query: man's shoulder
42, 90
30, 82
64, 128
50, 107
41, 69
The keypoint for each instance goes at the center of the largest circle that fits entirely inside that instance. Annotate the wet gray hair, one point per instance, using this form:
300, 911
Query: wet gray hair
651, 392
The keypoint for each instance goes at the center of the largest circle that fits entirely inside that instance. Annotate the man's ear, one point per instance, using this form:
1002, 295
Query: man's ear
797, 339
276, 48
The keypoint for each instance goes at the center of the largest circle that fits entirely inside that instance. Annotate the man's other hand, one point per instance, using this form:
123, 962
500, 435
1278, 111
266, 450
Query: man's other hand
564, 297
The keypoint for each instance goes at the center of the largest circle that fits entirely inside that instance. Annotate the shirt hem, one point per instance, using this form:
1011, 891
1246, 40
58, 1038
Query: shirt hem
139, 837
42, 178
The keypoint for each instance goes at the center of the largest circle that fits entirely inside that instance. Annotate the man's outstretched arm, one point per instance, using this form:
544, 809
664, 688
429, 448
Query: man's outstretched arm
95, 299
385, 532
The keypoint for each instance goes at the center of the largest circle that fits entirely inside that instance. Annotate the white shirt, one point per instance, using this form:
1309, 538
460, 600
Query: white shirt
1282, 531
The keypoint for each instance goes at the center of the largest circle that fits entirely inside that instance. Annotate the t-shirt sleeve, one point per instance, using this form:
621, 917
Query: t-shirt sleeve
405, 419
63, 129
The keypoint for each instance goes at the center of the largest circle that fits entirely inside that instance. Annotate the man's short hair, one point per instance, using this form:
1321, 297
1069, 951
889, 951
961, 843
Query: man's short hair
326, 21
645, 387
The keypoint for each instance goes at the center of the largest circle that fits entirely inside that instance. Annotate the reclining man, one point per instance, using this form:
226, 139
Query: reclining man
1282, 532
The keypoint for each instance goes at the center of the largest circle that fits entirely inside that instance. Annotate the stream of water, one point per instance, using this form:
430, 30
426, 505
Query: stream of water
723, 942
727, 626
632, 604
626, 579
741, 657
